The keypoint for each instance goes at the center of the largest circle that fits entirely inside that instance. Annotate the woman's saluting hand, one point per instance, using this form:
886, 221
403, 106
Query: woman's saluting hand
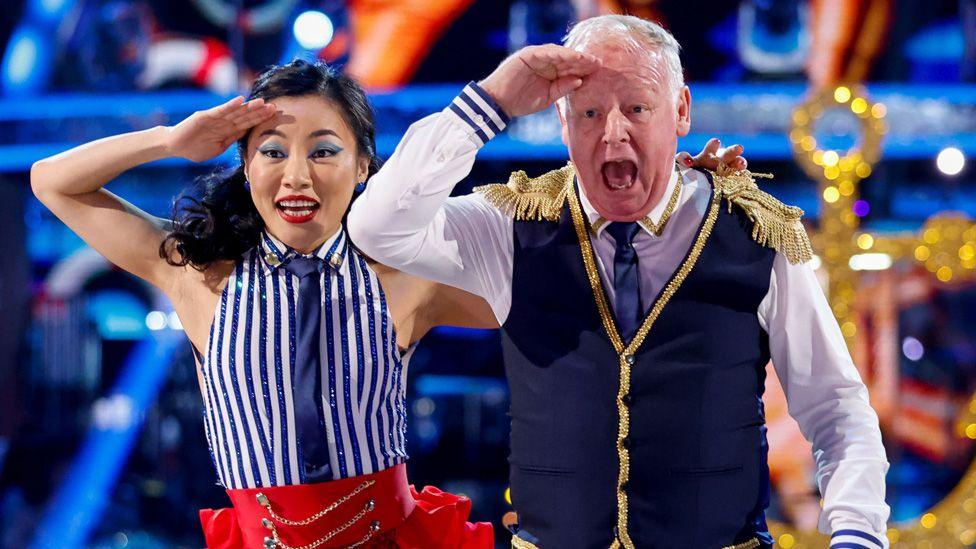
206, 134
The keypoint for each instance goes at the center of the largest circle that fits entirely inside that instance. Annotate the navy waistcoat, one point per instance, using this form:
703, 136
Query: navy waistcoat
697, 444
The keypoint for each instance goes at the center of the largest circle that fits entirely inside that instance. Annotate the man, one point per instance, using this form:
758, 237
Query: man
639, 303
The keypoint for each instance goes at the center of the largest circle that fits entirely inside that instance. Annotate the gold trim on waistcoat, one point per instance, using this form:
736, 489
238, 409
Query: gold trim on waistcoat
774, 224
751, 544
536, 199
626, 352
519, 543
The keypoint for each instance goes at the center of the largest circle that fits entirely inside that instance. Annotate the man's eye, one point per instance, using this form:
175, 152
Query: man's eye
639, 109
590, 113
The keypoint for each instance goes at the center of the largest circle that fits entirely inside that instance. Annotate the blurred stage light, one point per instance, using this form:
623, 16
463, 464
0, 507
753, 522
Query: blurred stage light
870, 262
950, 161
114, 413
23, 55
118, 314
424, 407
912, 348
156, 320
313, 30
53, 7
174, 321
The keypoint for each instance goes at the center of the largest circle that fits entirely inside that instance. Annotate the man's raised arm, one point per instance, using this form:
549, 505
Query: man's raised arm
405, 219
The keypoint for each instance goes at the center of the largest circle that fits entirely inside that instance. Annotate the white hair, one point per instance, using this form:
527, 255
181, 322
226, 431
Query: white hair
634, 34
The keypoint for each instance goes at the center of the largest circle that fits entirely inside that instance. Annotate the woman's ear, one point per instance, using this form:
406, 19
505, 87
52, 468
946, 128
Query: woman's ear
362, 171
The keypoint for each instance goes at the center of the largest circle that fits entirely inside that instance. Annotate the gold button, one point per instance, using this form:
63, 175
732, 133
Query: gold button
272, 260
263, 500
629, 359
267, 524
370, 505
375, 527
335, 260
270, 543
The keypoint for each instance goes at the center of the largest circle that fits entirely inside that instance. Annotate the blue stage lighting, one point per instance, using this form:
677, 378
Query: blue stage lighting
119, 315
75, 509
25, 63
47, 11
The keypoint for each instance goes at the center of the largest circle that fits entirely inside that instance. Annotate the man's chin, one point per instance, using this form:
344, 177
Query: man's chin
612, 206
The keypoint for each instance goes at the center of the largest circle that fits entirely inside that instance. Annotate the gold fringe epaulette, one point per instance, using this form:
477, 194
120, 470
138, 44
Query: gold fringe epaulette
775, 225
531, 199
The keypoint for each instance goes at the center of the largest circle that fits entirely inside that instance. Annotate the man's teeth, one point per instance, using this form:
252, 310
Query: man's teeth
618, 174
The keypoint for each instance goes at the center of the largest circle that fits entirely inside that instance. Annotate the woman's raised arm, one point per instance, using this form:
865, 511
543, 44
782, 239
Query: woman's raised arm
70, 183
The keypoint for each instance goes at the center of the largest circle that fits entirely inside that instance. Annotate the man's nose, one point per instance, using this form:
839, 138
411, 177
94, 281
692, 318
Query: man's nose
616, 130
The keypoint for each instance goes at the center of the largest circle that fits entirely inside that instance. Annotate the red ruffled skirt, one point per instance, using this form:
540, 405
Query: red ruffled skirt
379, 510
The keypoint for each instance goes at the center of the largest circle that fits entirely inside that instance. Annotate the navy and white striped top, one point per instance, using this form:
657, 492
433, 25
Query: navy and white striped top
249, 411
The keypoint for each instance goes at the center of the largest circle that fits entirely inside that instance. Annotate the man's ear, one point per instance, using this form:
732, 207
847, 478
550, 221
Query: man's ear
560, 105
684, 112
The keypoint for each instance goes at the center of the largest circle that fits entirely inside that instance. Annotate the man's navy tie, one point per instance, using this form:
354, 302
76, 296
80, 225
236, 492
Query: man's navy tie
627, 300
307, 378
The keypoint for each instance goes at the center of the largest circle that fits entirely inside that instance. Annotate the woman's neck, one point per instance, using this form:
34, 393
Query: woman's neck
307, 248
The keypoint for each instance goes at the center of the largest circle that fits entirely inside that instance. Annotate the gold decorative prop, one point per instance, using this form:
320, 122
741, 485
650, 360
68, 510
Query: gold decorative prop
946, 246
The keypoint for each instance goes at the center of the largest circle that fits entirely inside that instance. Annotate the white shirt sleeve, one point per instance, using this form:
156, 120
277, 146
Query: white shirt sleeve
829, 401
405, 218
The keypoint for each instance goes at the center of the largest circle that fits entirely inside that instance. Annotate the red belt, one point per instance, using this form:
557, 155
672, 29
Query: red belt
339, 513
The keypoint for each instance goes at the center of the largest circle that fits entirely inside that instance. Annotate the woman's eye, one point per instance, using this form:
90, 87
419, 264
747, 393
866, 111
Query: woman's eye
590, 113
272, 153
323, 153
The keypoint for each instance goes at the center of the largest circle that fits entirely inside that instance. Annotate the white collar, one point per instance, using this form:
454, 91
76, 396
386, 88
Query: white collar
276, 253
598, 223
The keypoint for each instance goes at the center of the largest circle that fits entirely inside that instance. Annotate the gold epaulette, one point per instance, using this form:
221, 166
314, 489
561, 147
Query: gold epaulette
775, 225
531, 199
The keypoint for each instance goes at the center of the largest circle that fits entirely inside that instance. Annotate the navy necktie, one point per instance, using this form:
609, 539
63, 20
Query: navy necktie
307, 377
627, 301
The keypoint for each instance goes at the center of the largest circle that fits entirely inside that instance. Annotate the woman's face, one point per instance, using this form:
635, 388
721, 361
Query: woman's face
303, 166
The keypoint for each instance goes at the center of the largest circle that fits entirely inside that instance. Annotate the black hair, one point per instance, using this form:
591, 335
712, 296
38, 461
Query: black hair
217, 220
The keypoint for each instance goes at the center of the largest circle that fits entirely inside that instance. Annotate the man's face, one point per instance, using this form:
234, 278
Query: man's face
621, 127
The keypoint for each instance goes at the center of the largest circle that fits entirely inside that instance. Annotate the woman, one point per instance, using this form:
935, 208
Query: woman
302, 364
303, 339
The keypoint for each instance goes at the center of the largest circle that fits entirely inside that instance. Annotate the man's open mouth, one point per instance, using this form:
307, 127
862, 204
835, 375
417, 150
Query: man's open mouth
619, 174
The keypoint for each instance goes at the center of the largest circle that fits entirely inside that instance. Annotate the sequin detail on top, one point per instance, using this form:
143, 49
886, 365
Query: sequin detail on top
249, 408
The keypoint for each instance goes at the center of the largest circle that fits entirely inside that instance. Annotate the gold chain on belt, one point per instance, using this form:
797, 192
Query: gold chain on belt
274, 541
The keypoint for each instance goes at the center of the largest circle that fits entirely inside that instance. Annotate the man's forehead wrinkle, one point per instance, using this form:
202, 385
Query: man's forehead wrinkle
617, 58
621, 78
